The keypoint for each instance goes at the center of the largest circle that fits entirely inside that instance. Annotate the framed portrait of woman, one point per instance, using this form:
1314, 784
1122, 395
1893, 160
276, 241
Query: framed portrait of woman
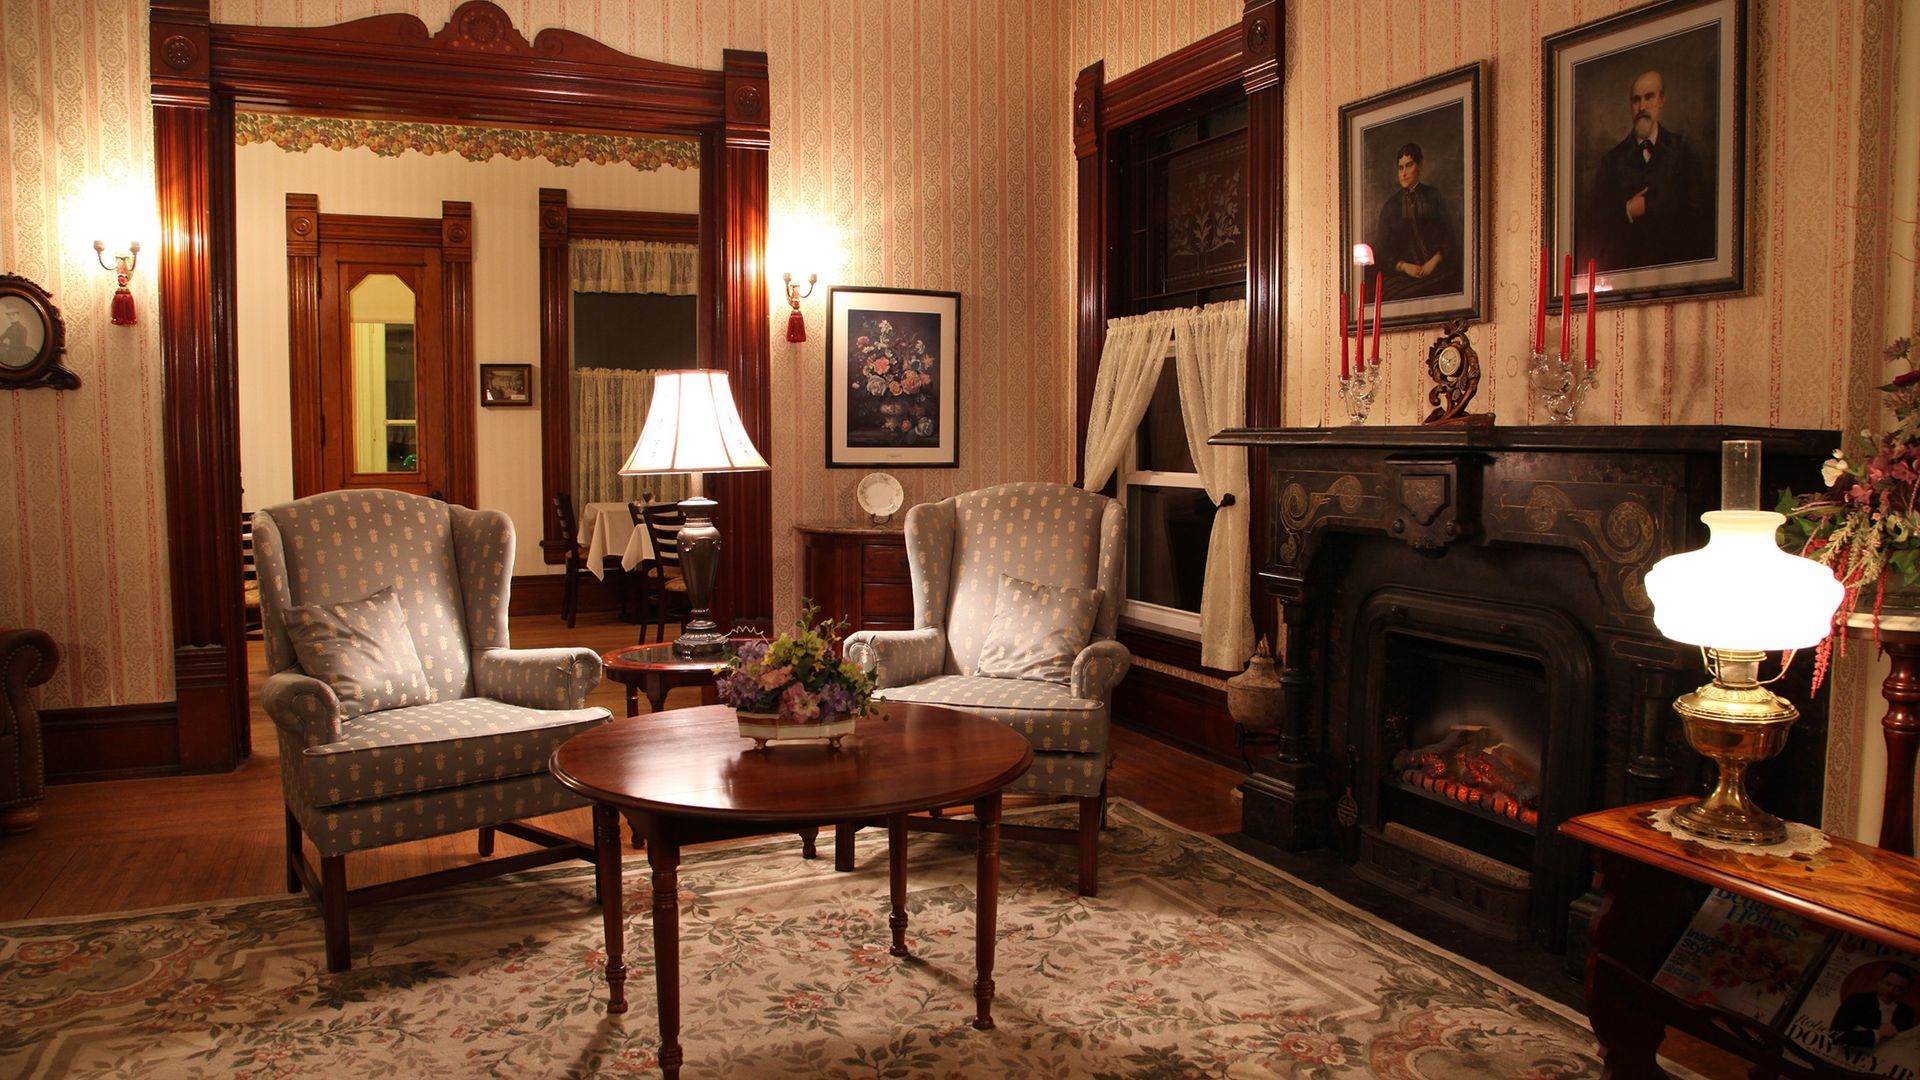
1413, 200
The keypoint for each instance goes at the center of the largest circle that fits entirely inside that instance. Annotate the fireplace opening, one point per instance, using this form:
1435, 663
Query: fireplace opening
1471, 731
1464, 729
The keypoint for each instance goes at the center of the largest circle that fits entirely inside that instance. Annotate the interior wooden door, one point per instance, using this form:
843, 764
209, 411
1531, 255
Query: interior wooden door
382, 420
381, 322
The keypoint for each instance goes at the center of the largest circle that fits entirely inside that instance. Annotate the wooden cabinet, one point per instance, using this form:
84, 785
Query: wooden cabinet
857, 573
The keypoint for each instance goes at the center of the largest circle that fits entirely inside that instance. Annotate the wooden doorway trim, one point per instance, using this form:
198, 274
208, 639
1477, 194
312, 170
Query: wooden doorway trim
452, 234
560, 224
478, 68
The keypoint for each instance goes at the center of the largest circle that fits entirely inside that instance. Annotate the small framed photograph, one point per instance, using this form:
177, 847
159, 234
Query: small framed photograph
1412, 189
1646, 147
506, 385
893, 368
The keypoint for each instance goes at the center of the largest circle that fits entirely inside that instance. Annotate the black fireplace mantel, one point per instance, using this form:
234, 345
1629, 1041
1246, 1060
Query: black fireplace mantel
1566, 517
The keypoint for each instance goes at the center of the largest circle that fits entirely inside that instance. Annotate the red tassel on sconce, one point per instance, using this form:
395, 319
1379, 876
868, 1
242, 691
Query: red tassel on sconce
796, 323
122, 268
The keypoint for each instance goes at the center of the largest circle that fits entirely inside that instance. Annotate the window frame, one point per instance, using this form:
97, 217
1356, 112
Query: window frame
1141, 614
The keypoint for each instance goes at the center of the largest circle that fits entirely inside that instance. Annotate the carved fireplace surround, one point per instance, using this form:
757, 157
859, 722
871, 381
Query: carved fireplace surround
1524, 545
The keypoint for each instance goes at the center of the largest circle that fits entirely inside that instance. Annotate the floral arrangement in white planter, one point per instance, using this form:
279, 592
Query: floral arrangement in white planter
797, 686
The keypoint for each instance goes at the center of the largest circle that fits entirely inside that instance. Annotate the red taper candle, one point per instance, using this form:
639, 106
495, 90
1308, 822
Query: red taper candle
1379, 286
1360, 325
1345, 370
1566, 313
1540, 317
1590, 315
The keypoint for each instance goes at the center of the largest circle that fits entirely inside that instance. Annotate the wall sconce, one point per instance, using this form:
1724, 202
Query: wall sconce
796, 324
122, 268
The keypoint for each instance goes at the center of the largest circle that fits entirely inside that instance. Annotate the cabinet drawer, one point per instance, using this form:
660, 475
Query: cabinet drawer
883, 562
885, 600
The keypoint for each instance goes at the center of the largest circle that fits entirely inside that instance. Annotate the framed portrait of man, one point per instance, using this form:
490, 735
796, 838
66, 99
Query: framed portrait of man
1411, 190
1646, 150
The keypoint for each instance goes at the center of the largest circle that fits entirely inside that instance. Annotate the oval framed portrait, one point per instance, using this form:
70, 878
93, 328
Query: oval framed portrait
32, 337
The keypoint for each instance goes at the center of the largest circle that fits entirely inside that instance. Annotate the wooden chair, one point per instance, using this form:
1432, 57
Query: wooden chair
661, 578
249, 577
576, 559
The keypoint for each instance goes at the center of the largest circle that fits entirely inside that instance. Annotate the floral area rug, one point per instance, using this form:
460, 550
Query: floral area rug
1195, 960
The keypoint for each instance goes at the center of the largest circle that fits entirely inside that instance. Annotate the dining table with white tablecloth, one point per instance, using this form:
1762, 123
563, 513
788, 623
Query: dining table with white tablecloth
607, 528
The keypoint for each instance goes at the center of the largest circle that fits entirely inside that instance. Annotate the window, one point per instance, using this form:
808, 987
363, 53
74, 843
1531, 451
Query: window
1169, 520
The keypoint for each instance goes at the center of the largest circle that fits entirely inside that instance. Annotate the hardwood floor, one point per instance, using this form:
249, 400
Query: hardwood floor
181, 840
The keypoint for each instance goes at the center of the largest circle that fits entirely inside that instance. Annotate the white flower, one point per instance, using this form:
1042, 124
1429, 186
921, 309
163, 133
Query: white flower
1835, 467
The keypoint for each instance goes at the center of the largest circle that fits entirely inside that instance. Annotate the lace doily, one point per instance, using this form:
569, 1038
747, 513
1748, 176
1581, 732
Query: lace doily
1801, 839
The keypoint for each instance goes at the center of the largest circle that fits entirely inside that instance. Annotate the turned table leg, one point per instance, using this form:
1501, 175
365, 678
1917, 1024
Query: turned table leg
1901, 727
606, 860
1632, 896
663, 855
897, 881
986, 907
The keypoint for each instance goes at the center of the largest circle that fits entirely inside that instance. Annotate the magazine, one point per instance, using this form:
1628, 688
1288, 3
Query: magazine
1863, 1009
1743, 956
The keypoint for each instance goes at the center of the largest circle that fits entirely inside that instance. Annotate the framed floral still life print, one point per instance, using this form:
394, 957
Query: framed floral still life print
1646, 150
893, 367
1412, 191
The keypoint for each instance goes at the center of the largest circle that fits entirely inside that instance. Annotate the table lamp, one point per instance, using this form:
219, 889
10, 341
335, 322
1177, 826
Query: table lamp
1739, 598
693, 427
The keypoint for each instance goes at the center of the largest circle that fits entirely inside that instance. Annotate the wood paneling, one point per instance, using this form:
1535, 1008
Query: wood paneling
110, 742
478, 67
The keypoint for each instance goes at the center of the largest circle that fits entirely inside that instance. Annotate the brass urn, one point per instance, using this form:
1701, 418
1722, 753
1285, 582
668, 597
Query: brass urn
1254, 698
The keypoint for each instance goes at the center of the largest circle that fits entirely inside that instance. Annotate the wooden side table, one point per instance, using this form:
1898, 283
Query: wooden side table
1900, 636
1646, 903
655, 670
857, 573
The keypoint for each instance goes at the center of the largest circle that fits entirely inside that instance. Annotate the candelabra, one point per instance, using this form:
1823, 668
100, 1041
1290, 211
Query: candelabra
1560, 384
1357, 391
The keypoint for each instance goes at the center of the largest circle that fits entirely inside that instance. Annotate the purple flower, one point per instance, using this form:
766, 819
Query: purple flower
836, 700
754, 651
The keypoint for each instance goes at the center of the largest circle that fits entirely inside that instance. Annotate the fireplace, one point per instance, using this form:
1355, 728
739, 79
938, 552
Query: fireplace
1470, 657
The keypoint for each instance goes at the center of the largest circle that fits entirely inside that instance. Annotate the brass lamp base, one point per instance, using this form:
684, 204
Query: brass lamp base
1735, 721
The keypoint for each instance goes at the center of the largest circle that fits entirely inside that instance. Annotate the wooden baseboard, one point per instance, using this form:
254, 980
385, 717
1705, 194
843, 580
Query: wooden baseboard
543, 594
111, 742
1190, 715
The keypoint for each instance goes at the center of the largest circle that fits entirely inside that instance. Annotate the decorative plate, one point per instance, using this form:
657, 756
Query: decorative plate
880, 495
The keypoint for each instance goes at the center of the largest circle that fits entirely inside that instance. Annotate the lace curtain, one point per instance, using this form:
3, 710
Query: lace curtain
609, 409
1209, 347
1210, 357
634, 266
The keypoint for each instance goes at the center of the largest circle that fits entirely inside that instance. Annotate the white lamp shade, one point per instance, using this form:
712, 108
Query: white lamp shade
692, 426
1741, 592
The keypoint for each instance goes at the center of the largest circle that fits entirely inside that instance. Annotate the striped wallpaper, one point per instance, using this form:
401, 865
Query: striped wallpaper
932, 138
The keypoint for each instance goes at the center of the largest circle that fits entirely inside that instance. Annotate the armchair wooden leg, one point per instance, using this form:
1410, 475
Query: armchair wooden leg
486, 841
809, 837
333, 911
294, 854
1091, 808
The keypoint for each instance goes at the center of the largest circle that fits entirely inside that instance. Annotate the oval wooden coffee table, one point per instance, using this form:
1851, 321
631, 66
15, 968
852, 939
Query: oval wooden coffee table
686, 776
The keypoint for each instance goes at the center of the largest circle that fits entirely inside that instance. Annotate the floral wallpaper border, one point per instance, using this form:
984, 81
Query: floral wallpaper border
391, 138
